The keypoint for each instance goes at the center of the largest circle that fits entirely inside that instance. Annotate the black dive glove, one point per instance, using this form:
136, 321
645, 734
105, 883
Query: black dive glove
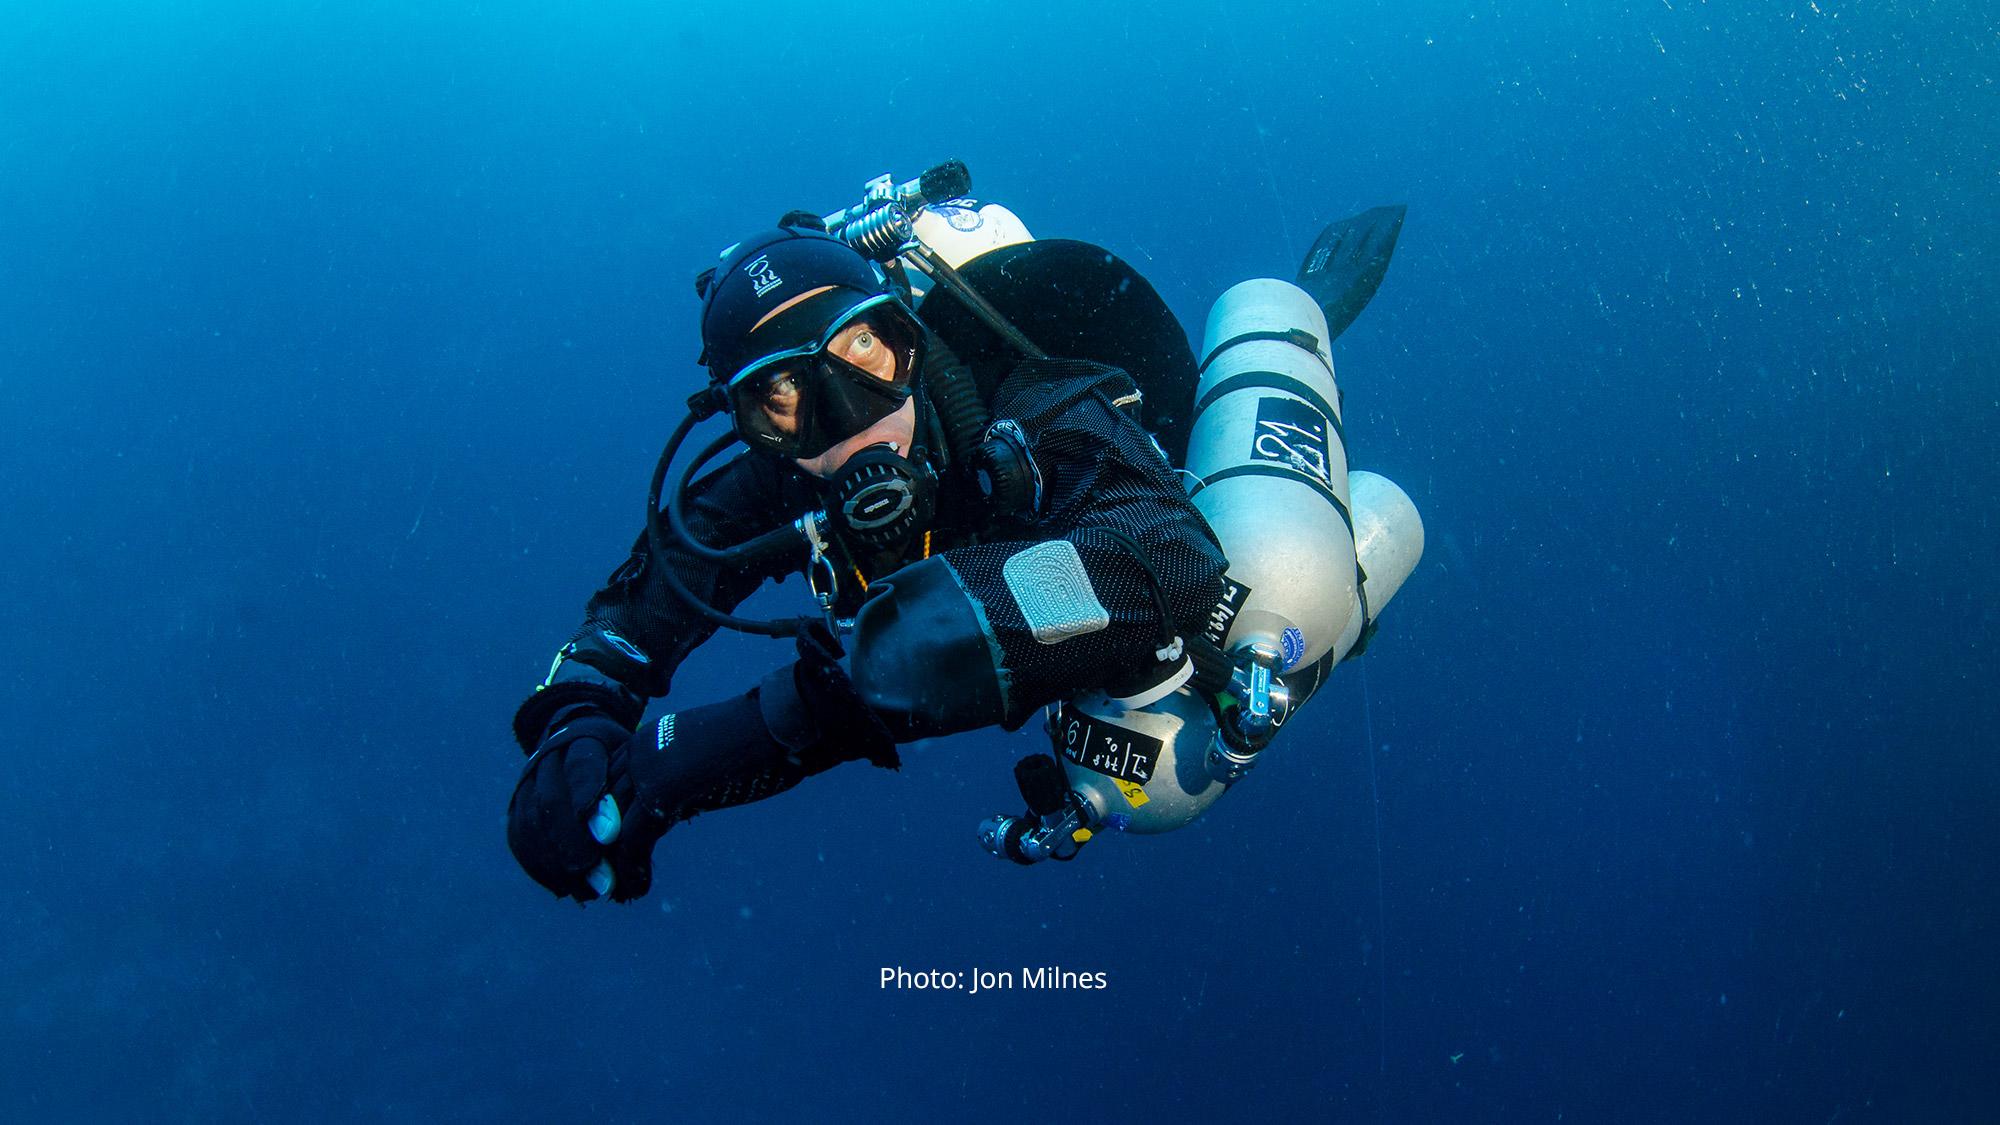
557, 803
802, 720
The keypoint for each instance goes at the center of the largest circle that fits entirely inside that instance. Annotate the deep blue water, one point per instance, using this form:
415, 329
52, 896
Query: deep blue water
336, 342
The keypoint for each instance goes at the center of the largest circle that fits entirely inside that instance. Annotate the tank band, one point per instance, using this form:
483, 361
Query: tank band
1297, 337
1243, 380
1276, 470
1367, 633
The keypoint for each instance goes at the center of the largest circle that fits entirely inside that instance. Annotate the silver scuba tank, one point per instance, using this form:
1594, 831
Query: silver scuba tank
1269, 463
1155, 768
1315, 552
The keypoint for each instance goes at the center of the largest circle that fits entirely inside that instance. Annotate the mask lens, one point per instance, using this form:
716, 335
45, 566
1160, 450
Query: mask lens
770, 403
877, 346
856, 373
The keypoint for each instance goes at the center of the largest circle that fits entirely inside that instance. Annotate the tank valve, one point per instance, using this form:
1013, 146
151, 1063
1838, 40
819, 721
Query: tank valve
1058, 822
1263, 703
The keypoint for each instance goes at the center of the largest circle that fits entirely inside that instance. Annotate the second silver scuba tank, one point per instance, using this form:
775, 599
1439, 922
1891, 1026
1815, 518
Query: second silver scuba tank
1156, 768
1315, 552
1269, 466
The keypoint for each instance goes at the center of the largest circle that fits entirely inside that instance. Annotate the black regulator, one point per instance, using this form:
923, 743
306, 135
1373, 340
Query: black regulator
881, 499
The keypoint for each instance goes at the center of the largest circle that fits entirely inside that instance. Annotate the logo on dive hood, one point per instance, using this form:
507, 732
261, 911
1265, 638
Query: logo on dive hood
762, 277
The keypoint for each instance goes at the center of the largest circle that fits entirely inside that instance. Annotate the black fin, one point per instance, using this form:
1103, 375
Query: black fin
1347, 261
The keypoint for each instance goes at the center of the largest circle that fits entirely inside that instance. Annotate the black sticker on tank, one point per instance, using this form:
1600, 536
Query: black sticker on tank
1291, 433
1105, 747
1234, 594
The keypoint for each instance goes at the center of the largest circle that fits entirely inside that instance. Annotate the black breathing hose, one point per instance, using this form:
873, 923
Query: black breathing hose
959, 407
658, 536
776, 541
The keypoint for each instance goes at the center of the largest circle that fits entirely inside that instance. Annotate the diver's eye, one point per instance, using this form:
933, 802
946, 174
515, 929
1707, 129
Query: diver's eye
780, 388
862, 345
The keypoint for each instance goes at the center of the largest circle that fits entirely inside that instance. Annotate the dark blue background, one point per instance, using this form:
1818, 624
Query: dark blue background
336, 341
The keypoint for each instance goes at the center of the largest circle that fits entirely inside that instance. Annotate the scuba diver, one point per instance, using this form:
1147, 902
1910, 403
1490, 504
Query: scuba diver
979, 480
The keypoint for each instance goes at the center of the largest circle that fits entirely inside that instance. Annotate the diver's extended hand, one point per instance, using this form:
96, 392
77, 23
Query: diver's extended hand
565, 807
595, 798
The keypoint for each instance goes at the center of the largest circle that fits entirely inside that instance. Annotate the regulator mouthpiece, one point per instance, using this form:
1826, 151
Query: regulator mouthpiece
880, 498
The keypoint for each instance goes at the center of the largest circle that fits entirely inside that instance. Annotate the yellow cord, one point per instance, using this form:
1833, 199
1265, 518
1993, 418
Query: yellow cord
863, 579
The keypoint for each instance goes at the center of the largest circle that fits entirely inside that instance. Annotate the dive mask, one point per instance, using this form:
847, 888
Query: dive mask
801, 401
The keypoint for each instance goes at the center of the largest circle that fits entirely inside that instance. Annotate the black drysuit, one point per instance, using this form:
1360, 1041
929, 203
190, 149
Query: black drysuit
957, 631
